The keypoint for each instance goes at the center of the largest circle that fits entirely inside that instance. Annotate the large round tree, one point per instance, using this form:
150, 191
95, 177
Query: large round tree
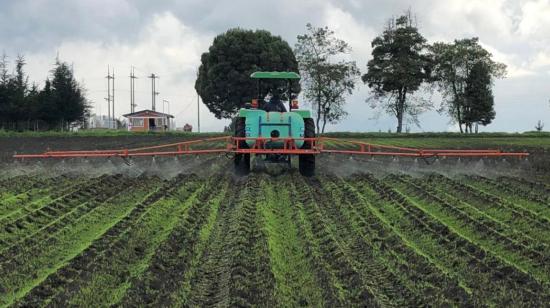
223, 81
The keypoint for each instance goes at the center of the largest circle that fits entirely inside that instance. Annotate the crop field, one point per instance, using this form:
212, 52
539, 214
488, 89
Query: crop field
270, 240
190, 232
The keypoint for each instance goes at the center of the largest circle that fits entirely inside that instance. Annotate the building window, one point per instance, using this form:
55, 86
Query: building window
137, 122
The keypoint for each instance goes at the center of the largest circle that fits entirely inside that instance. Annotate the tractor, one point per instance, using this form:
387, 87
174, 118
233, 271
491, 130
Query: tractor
275, 136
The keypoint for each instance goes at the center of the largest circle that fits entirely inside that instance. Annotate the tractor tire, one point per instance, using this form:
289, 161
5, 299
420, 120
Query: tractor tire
242, 161
306, 162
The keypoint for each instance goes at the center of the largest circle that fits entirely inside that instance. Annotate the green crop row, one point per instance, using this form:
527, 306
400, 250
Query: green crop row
48, 252
285, 241
472, 265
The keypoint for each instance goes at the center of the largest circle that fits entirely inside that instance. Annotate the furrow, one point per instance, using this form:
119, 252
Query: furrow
44, 224
494, 281
485, 232
61, 285
431, 282
173, 259
355, 287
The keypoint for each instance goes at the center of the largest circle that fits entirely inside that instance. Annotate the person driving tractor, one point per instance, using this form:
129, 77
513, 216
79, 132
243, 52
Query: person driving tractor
274, 103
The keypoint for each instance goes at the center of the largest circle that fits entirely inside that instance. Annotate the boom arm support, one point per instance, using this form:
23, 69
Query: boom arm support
320, 145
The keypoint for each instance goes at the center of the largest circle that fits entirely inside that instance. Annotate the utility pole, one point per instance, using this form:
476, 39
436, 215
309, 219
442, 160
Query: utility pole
167, 118
113, 100
198, 115
109, 77
132, 91
153, 88
168, 102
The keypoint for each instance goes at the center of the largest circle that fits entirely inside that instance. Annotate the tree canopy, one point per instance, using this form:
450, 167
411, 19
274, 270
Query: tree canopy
398, 68
478, 97
58, 105
223, 80
327, 80
453, 65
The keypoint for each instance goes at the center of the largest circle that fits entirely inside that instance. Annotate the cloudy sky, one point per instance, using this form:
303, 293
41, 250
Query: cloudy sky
168, 37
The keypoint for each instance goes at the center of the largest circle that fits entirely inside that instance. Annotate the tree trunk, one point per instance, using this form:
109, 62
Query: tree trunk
318, 119
324, 122
318, 114
457, 104
399, 123
400, 110
318, 80
459, 119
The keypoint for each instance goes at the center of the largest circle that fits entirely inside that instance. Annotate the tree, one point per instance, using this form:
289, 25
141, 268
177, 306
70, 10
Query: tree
223, 80
478, 97
20, 106
13, 93
540, 126
398, 68
4, 99
67, 97
47, 106
452, 66
60, 103
338, 80
326, 80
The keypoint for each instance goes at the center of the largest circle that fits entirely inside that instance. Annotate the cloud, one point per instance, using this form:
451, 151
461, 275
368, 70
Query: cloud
535, 20
34, 25
167, 37
346, 27
165, 46
515, 67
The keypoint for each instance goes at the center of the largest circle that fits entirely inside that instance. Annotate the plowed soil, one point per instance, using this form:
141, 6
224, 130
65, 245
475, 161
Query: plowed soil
190, 232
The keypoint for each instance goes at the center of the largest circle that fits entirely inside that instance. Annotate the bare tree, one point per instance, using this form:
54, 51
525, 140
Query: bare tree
540, 126
327, 81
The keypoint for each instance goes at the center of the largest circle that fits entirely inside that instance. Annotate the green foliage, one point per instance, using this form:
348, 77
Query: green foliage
327, 82
452, 66
223, 80
67, 96
60, 104
398, 69
266, 240
478, 97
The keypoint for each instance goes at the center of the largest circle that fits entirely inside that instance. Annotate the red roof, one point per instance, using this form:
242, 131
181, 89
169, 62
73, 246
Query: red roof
147, 114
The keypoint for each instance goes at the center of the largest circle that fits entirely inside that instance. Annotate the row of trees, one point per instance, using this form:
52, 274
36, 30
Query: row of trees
403, 62
58, 105
403, 68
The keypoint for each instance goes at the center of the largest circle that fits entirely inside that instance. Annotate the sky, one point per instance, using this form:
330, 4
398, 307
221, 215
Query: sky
167, 37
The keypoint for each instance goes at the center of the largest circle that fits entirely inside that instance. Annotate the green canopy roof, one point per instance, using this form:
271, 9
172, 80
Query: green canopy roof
274, 75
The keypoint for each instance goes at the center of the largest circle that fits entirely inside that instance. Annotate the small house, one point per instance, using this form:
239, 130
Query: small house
148, 120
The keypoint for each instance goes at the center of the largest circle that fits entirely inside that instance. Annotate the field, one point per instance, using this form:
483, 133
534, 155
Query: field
189, 232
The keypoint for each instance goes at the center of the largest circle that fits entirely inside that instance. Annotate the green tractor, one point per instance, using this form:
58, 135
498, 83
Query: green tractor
274, 135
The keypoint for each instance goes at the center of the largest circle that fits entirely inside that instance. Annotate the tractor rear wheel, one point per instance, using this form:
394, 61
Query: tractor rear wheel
306, 162
242, 161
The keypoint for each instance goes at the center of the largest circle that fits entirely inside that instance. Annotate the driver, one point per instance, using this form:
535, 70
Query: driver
275, 104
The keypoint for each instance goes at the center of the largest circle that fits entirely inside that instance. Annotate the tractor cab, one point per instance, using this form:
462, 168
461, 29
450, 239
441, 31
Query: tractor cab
280, 91
272, 131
